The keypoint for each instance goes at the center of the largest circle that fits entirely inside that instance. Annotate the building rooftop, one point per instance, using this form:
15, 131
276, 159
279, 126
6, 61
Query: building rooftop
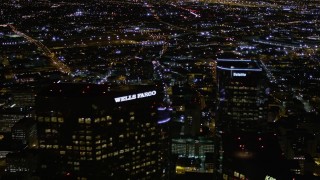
90, 98
238, 64
88, 90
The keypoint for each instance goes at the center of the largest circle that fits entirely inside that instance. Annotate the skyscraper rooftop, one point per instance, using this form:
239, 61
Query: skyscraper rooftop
238, 64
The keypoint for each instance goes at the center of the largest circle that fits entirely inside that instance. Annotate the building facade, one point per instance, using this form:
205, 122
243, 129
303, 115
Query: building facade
99, 131
242, 95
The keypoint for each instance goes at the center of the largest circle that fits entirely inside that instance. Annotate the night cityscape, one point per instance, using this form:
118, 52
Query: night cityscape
160, 89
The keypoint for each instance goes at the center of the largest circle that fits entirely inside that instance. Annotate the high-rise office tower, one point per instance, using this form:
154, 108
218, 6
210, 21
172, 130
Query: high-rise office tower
242, 93
102, 132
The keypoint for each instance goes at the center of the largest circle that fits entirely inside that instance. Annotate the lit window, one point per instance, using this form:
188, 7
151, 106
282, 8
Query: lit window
88, 120
54, 131
97, 120
81, 120
88, 137
121, 121
235, 173
54, 119
60, 120
62, 152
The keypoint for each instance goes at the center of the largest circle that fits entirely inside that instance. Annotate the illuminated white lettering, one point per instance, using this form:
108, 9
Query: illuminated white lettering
141, 95
135, 96
269, 178
239, 74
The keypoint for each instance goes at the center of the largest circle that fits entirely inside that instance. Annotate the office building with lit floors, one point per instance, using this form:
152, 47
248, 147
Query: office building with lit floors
91, 131
242, 95
248, 149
